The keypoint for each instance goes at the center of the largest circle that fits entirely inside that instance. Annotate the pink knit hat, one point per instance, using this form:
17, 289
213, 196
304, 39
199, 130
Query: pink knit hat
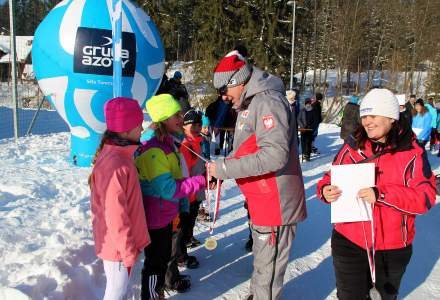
122, 114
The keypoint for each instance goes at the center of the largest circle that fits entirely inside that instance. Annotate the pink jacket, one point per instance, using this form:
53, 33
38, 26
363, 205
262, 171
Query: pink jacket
119, 225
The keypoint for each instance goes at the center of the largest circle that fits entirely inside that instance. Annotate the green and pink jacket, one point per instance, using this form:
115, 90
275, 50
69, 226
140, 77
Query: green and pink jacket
162, 182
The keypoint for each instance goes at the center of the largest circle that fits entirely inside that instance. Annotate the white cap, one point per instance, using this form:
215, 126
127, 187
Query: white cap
380, 102
401, 98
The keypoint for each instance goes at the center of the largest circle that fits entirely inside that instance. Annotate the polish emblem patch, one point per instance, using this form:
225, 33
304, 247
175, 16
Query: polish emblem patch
268, 122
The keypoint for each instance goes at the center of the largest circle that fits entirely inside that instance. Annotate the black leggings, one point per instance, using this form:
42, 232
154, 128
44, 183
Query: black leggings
353, 279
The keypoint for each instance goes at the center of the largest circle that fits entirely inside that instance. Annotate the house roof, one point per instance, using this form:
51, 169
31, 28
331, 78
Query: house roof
23, 46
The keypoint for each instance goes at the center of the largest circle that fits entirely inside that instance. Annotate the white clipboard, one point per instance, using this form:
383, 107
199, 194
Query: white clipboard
350, 179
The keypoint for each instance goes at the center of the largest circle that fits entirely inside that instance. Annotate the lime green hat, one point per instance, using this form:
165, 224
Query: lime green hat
162, 107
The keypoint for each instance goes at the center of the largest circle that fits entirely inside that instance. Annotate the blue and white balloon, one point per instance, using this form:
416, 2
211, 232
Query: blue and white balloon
73, 62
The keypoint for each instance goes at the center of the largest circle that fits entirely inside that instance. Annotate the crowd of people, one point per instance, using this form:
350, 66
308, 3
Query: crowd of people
417, 117
147, 192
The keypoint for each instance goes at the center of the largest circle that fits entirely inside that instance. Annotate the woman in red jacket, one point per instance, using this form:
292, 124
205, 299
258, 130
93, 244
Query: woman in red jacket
404, 187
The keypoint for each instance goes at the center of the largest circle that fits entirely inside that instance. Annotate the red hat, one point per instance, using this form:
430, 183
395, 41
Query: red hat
122, 114
232, 70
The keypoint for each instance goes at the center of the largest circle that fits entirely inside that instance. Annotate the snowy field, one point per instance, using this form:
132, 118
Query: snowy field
47, 251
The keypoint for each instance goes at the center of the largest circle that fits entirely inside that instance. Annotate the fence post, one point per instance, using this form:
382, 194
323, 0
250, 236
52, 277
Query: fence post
31, 126
13, 65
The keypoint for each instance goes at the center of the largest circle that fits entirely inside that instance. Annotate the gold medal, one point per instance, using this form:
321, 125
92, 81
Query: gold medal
210, 243
374, 294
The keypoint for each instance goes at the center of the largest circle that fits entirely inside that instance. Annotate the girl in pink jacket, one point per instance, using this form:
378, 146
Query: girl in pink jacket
119, 225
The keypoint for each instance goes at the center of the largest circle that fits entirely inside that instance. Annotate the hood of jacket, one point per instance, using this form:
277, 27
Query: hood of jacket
260, 81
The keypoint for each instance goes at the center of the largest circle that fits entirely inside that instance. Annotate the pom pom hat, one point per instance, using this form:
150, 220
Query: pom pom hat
122, 114
380, 102
232, 70
162, 107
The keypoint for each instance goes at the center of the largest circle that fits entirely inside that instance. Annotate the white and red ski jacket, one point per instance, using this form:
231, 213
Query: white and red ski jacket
406, 188
264, 161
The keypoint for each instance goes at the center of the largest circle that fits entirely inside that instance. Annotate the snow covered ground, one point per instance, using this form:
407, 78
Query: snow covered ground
47, 251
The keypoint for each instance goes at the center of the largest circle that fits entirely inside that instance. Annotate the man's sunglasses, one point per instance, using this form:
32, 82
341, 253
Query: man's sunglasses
223, 90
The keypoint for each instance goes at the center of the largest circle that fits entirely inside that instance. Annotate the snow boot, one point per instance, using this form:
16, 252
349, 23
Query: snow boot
190, 262
181, 285
315, 150
193, 242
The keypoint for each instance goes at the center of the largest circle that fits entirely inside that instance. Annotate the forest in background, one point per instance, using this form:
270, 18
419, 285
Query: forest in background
350, 36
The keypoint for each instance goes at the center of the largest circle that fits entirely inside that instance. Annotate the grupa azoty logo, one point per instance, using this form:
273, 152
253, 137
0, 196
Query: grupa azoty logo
73, 62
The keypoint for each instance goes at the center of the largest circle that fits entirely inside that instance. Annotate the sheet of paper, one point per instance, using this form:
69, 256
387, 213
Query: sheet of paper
417, 130
350, 179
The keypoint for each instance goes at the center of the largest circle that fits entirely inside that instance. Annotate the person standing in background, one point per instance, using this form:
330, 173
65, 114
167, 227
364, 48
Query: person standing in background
350, 117
433, 111
405, 119
421, 123
308, 122
178, 90
317, 111
410, 105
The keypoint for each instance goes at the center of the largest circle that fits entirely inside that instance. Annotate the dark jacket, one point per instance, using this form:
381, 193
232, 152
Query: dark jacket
179, 92
164, 87
407, 114
212, 110
317, 110
405, 123
221, 114
264, 161
308, 119
409, 107
350, 120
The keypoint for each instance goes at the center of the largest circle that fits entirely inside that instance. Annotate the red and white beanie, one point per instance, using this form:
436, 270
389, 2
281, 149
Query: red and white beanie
232, 70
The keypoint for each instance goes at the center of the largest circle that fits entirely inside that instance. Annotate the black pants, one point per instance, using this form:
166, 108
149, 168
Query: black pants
157, 255
172, 273
188, 226
353, 279
306, 143
185, 230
